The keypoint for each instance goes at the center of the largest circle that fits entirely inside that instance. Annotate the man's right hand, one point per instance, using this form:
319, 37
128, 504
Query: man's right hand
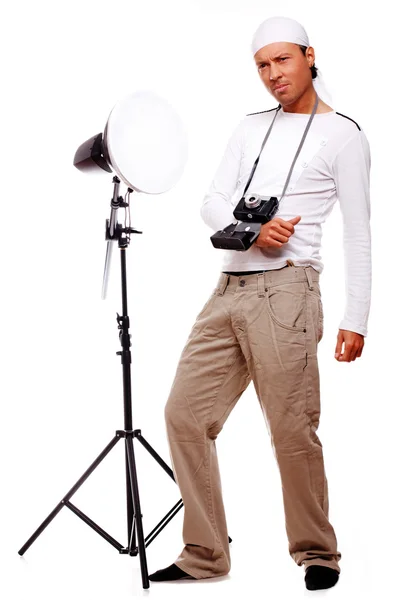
276, 232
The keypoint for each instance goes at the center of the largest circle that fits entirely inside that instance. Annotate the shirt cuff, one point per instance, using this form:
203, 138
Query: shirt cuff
362, 330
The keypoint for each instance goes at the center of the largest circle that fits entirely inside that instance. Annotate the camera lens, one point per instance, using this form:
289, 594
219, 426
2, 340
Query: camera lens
252, 201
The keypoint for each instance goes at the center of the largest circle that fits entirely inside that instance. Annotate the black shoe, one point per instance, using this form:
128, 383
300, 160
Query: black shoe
170, 573
320, 578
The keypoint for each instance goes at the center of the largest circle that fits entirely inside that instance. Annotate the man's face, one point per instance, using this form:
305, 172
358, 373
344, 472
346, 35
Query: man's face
284, 63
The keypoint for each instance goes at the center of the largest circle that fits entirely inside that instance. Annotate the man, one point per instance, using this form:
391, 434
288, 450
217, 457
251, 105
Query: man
264, 319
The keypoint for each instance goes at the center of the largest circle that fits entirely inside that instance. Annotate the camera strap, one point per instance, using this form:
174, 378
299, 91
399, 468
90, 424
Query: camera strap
296, 155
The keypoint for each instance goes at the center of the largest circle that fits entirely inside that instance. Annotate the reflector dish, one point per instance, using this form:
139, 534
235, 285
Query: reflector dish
145, 143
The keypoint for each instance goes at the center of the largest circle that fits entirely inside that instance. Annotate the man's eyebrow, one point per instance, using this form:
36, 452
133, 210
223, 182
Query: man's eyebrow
261, 60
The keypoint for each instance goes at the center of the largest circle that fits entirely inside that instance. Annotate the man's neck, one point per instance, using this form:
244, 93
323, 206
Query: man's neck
305, 104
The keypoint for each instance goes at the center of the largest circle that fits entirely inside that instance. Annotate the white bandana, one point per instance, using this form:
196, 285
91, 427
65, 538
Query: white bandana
284, 29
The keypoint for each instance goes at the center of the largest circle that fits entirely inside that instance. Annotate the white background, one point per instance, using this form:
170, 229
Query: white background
64, 66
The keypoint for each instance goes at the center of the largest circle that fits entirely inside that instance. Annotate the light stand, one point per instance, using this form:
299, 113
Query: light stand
134, 516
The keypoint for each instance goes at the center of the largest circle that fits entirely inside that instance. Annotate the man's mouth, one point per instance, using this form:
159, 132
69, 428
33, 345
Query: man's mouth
280, 88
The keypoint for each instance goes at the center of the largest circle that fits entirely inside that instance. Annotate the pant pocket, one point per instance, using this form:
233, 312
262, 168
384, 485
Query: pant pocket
320, 320
286, 304
318, 313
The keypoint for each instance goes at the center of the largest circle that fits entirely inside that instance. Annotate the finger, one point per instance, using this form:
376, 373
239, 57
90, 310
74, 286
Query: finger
295, 220
285, 228
281, 225
353, 353
348, 353
359, 351
266, 241
355, 350
345, 356
339, 343
279, 237
356, 353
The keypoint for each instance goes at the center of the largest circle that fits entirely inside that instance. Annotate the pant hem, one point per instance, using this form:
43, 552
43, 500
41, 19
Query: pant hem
322, 564
196, 574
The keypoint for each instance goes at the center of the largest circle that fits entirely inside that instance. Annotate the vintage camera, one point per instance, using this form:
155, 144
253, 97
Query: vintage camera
253, 211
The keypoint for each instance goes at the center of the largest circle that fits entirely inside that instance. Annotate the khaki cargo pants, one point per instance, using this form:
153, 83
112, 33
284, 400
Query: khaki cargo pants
263, 327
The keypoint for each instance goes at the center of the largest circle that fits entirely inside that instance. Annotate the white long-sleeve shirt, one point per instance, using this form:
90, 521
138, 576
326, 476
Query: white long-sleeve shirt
334, 164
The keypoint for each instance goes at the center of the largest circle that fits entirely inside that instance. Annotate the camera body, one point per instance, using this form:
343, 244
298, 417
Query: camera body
253, 210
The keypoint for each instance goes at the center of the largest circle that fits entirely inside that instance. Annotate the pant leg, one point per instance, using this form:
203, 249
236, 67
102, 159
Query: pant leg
210, 378
282, 325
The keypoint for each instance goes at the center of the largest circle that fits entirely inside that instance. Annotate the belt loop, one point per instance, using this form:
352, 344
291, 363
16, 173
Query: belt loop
266, 282
223, 282
309, 278
261, 284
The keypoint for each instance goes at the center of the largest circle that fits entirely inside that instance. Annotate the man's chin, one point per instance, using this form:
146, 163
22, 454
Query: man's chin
282, 99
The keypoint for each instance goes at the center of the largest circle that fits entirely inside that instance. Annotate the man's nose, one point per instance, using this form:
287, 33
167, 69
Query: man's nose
274, 72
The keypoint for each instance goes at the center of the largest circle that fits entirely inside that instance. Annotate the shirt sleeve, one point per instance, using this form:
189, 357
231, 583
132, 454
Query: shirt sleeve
217, 207
351, 171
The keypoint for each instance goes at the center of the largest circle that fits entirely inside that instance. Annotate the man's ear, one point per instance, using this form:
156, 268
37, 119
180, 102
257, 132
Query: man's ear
310, 55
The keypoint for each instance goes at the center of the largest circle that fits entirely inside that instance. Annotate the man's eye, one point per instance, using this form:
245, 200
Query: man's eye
280, 58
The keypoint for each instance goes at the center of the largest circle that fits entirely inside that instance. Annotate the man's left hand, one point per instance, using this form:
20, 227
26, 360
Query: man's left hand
353, 345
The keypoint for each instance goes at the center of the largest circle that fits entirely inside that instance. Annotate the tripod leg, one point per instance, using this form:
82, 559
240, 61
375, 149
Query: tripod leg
132, 541
69, 495
167, 469
129, 499
138, 514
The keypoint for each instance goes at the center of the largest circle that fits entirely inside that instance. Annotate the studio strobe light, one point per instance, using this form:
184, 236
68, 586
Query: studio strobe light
144, 143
